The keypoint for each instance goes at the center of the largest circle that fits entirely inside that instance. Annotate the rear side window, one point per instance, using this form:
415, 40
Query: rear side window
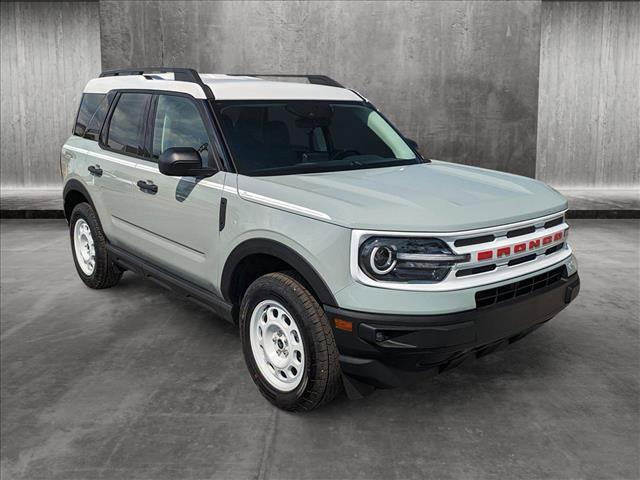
178, 123
95, 124
127, 125
88, 107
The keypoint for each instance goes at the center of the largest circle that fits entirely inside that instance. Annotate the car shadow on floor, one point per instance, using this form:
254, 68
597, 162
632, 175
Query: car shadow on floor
516, 366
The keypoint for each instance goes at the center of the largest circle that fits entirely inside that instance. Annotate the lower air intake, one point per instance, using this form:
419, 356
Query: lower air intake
492, 296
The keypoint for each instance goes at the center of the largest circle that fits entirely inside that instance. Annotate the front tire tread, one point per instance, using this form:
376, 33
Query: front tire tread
327, 383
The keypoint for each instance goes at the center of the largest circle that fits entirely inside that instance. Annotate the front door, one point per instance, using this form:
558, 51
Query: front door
177, 217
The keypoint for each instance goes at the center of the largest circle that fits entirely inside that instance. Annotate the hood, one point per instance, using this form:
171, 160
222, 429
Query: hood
435, 197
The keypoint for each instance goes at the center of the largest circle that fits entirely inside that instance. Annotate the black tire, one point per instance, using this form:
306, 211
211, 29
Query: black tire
105, 274
322, 379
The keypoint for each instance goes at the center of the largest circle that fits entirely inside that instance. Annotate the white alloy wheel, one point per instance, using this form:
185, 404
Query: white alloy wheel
276, 344
84, 248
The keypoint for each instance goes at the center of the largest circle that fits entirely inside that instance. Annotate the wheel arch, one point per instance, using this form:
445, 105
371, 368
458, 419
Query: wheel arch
250, 253
75, 192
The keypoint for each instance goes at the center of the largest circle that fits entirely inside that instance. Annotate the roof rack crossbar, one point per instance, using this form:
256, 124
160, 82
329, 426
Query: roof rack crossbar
179, 74
315, 79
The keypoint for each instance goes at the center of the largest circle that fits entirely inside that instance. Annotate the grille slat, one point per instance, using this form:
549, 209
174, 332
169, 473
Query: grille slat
464, 242
554, 222
554, 249
518, 261
475, 270
521, 231
492, 296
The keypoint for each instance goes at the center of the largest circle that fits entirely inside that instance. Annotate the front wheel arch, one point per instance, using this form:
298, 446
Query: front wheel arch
280, 257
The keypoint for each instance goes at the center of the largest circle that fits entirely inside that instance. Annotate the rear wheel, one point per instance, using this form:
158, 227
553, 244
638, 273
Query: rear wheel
288, 344
89, 248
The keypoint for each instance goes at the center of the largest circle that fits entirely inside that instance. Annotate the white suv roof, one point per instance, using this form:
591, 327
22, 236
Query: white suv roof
223, 87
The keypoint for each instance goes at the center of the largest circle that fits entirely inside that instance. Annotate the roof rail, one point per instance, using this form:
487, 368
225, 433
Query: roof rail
179, 74
315, 79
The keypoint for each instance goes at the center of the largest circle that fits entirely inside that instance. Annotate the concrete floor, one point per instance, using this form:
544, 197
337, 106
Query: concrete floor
133, 382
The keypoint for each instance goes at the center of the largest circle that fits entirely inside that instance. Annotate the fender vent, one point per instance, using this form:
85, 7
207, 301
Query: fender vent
491, 296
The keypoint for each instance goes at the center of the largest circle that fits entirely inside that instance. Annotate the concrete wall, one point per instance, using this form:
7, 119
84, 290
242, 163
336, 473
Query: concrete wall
48, 52
589, 117
459, 77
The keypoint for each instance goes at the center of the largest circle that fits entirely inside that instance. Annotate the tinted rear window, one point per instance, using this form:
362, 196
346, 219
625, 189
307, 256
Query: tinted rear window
88, 106
95, 124
126, 129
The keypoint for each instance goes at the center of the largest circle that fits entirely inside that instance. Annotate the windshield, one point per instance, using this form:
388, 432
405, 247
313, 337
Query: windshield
287, 137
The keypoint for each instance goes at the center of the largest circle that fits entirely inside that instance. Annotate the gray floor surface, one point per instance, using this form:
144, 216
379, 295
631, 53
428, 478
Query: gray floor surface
133, 382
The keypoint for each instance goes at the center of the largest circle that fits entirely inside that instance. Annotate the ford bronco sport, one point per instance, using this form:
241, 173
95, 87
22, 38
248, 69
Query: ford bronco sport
297, 211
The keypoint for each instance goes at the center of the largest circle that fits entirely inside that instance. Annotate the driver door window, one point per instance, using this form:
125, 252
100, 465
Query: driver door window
176, 231
178, 124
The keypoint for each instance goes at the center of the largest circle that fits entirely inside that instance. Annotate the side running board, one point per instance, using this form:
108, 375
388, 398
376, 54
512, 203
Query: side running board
171, 282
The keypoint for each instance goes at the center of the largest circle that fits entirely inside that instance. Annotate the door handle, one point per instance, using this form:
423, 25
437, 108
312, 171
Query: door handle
147, 186
95, 170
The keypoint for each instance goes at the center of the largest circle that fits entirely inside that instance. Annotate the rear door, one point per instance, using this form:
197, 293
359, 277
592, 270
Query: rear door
114, 159
91, 115
177, 219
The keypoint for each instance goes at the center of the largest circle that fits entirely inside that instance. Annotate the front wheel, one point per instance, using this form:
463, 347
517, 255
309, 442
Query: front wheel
288, 344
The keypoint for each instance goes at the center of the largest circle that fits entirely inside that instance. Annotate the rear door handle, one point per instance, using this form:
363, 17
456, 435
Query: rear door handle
95, 170
147, 186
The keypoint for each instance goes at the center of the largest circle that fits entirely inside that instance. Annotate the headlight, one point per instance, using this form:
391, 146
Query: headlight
405, 259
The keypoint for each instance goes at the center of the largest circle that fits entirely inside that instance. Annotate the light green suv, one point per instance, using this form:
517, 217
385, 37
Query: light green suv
297, 211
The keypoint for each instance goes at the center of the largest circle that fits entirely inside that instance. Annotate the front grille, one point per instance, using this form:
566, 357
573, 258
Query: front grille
492, 296
529, 235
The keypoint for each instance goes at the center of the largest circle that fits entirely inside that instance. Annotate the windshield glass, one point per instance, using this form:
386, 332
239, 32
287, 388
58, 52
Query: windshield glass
287, 137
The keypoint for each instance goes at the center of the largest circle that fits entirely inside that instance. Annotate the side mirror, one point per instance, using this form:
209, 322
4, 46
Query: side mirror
183, 162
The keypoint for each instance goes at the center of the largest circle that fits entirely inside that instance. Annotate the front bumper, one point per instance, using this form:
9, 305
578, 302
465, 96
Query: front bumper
391, 350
